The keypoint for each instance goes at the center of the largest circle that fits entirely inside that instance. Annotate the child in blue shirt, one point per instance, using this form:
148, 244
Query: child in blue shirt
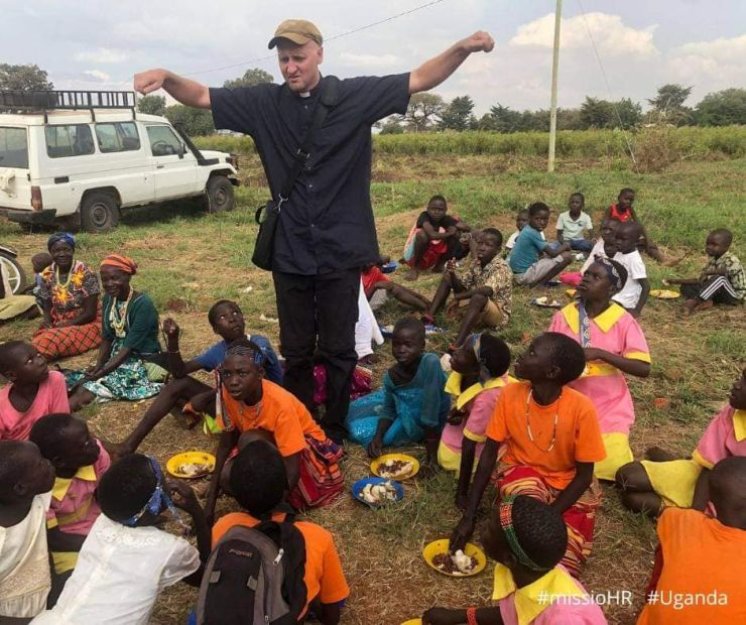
529, 268
227, 321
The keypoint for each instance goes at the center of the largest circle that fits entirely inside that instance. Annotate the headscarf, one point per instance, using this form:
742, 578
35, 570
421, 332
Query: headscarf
158, 501
475, 342
506, 523
616, 281
65, 237
124, 263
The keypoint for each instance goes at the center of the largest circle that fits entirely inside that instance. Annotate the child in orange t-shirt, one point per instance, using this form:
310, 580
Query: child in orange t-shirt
552, 440
258, 479
248, 407
698, 574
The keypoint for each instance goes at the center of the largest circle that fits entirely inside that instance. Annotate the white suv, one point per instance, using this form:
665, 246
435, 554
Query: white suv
80, 157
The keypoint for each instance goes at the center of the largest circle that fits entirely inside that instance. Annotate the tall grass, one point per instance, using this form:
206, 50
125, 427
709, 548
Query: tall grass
680, 143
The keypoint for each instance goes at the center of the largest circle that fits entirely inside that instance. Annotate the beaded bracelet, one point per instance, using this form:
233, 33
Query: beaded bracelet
471, 616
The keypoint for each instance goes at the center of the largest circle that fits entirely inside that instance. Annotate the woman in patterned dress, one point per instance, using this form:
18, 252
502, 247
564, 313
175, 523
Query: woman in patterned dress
69, 293
130, 333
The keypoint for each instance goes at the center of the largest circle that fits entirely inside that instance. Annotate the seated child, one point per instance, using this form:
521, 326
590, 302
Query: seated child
647, 486
485, 284
411, 406
634, 295
228, 323
624, 212
722, 281
258, 481
33, 391
573, 224
127, 561
527, 538
375, 282
245, 406
528, 269
79, 461
26, 480
701, 556
521, 219
614, 344
479, 372
552, 439
433, 240
604, 247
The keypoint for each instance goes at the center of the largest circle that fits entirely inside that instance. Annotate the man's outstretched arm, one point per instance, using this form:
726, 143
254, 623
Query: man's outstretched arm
433, 72
186, 91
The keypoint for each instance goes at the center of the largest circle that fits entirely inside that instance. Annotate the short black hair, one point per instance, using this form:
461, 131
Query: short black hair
7, 354
11, 471
633, 226
412, 324
566, 354
728, 484
438, 198
247, 348
580, 195
126, 487
46, 433
212, 314
626, 190
535, 208
541, 531
496, 354
523, 211
494, 232
258, 477
722, 233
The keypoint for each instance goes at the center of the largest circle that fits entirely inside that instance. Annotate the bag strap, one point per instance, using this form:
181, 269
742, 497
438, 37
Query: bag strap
327, 100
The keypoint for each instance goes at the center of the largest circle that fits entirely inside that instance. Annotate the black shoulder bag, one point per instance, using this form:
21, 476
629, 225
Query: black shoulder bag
268, 216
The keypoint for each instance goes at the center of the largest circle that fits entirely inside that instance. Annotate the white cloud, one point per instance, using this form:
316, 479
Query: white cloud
610, 34
97, 75
102, 55
710, 65
369, 61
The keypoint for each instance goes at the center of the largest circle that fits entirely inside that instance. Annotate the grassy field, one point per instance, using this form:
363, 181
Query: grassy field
189, 259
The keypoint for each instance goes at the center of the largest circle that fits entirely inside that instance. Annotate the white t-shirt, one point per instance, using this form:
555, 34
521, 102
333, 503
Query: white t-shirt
630, 294
120, 572
24, 563
572, 229
598, 250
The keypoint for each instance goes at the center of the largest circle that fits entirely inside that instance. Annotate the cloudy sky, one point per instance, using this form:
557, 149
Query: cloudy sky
639, 44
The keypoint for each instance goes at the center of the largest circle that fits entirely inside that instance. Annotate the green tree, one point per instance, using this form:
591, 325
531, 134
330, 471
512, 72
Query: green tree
196, 122
596, 113
627, 114
423, 111
722, 108
24, 78
251, 78
668, 105
457, 114
392, 125
503, 119
152, 105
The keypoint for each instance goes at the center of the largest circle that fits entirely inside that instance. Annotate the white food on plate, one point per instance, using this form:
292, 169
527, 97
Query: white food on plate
377, 493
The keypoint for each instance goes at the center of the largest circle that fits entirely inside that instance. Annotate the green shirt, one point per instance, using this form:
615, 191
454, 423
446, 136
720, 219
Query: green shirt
141, 324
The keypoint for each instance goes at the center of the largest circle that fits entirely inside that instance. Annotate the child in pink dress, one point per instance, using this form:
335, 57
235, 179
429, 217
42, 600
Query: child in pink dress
479, 373
527, 538
649, 486
614, 345
33, 390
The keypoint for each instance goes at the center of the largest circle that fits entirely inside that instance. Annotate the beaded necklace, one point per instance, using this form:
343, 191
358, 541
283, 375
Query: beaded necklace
117, 317
531, 434
61, 284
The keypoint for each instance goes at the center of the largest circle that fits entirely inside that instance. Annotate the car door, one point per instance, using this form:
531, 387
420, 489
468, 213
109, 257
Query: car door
175, 167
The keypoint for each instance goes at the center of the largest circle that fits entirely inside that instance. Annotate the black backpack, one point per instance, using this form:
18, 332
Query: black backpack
254, 576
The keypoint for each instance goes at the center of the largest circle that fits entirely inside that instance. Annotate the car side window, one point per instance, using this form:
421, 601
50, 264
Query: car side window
68, 140
163, 141
117, 137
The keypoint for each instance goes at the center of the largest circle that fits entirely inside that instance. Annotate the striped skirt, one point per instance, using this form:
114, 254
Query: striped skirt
321, 480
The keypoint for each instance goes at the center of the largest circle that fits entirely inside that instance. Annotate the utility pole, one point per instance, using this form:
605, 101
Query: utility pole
553, 104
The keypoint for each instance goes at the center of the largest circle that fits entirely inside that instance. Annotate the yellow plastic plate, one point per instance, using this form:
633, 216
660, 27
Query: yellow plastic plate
664, 294
376, 466
175, 464
413, 621
441, 546
571, 292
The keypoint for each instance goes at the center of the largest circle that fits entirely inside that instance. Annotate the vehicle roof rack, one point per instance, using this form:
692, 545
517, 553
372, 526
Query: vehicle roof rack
45, 101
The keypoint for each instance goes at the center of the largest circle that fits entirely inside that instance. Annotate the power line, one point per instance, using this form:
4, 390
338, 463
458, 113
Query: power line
332, 38
608, 87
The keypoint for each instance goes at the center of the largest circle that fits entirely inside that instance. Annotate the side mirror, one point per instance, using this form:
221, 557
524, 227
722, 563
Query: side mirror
182, 150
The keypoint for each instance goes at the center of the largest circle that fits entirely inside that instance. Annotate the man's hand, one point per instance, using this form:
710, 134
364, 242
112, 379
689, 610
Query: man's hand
149, 81
375, 448
463, 532
480, 41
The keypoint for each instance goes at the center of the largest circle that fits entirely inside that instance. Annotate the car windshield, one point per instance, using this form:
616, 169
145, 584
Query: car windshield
13, 148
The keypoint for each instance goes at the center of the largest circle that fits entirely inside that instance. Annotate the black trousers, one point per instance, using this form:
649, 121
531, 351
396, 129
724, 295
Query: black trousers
318, 316
717, 288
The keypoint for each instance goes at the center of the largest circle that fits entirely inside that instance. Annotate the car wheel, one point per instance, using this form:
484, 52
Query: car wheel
13, 272
99, 212
220, 195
